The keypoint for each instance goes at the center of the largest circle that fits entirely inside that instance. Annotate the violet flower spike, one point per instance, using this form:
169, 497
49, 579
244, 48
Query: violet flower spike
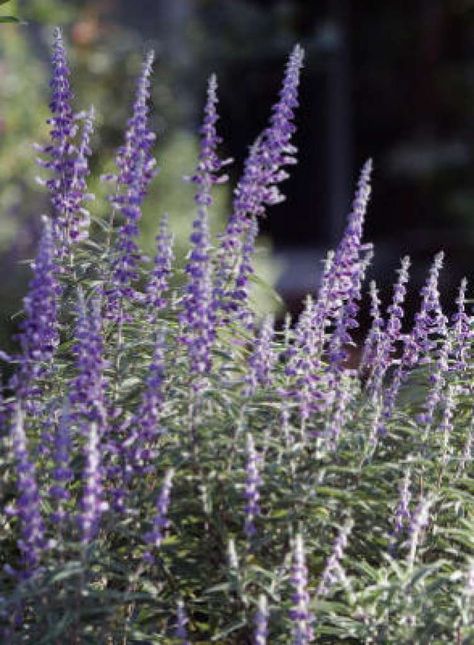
260, 633
181, 631
32, 541
139, 447
62, 472
136, 169
257, 188
429, 321
60, 151
375, 336
87, 388
199, 310
461, 328
155, 537
333, 570
346, 266
419, 522
300, 614
262, 358
93, 504
402, 512
253, 482
159, 278
39, 330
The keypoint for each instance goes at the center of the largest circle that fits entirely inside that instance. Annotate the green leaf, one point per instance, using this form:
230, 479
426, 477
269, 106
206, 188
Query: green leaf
9, 19
4, 1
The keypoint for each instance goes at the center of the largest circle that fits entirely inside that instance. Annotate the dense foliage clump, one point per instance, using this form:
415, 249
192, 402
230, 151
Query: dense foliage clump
175, 470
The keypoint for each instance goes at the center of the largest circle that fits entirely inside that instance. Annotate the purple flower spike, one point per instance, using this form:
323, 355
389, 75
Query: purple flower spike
181, 631
139, 448
260, 633
136, 169
333, 570
39, 330
67, 161
93, 504
262, 359
159, 278
461, 327
32, 541
87, 389
383, 358
429, 321
160, 522
346, 267
419, 522
62, 472
198, 317
253, 482
375, 336
258, 186
402, 512
300, 614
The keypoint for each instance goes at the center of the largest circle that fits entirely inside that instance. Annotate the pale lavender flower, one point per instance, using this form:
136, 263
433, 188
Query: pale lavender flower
32, 541
253, 482
93, 504
199, 310
62, 472
461, 327
343, 395
260, 633
437, 382
262, 359
181, 631
258, 187
402, 512
39, 330
87, 388
392, 333
158, 282
136, 169
375, 335
429, 321
333, 570
155, 536
139, 447
346, 268
300, 614
419, 522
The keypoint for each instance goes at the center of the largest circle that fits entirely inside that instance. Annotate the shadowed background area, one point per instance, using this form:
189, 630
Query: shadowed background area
387, 80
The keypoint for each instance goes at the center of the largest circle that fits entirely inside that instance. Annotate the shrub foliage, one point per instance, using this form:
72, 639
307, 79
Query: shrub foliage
175, 470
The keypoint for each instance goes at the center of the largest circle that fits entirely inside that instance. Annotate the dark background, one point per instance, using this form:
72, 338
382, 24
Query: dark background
390, 80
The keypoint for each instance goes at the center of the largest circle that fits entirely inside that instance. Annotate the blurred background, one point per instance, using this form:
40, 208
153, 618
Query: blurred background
390, 80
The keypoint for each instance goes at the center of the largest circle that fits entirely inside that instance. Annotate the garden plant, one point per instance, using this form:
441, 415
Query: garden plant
175, 469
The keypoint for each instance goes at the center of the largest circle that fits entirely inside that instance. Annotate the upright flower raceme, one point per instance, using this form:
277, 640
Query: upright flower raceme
139, 447
159, 278
333, 570
300, 614
430, 321
155, 537
253, 482
261, 622
136, 169
181, 631
67, 161
262, 359
258, 187
39, 330
93, 504
198, 317
461, 328
32, 541
62, 472
87, 388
